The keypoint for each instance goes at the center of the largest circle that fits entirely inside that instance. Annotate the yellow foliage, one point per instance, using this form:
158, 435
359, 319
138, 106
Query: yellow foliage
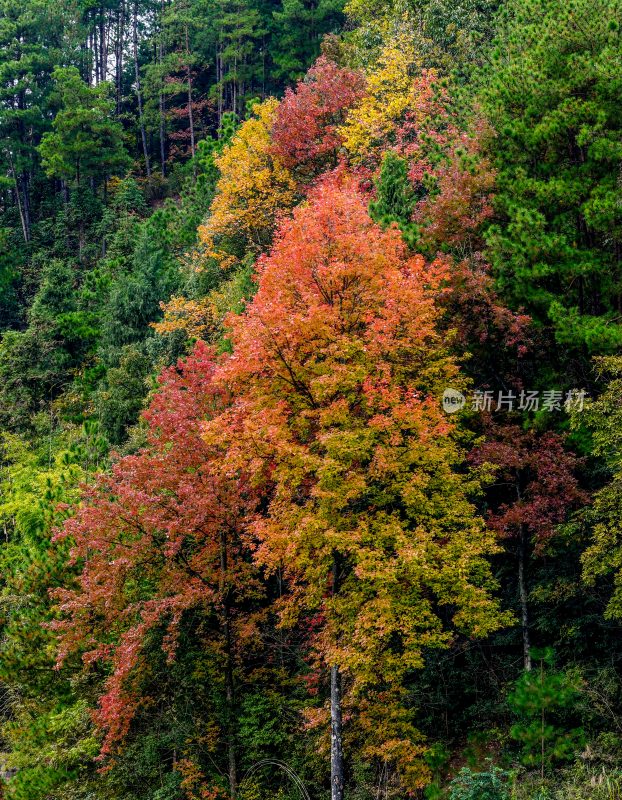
367, 11
375, 23
204, 318
392, 91
194, 317
381, 727
254, 187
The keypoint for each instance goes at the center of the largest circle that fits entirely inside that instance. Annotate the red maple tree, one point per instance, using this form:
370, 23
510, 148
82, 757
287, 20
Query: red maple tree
535, 489
157, 538
306, 129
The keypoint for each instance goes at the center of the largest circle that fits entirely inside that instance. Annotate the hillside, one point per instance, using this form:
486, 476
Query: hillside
310, 421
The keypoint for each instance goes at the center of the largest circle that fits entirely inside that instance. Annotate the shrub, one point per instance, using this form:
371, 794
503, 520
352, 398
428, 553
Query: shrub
490, 785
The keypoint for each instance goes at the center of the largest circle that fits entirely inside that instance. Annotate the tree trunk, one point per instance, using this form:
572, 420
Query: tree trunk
95, 51
119, 55
229, 681
103, 48
522, 591
336, 738
117, 64
139, 96
219, 77
21, 181
161, 101
336, 743
26, 193
89, 49
18, 199
190, 109
234, 102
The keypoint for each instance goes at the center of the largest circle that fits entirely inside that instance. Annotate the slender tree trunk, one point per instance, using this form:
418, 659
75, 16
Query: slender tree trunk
119, 55
95, 52
336, 738
522, 591
21, 213
234, 102
103, 50
99, 67
243, 87
219, 75
18, 199
89, 48
336, 742
161, 101
229, 681
21, 181
26, 192
83, 61
190, 108
139, 96
117, 64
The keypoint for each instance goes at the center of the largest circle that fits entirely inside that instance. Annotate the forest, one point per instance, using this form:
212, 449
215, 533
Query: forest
311, 399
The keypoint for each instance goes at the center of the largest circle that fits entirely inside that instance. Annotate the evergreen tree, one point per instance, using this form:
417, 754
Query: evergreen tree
551, 94
33, 41
395, 197
540, 698
299, 26
85, 142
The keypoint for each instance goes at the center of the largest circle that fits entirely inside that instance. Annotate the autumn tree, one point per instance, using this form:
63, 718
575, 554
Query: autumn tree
439, 196
398, 100
602, 559
537, 489
456, 190
431, 173
306, 127
254, 187
336, 375
159, 540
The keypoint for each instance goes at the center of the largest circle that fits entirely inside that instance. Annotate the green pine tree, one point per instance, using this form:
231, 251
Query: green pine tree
552, 94
543, 700
395, 197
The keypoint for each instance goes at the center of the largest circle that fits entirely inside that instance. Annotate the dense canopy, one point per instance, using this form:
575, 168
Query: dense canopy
310, 374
